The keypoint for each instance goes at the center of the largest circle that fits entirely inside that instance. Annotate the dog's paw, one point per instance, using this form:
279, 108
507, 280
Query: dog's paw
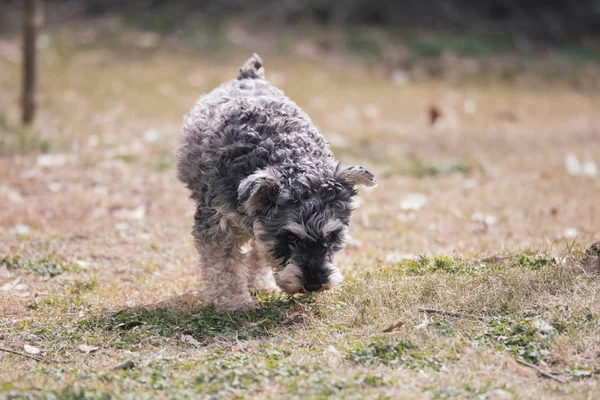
255, 291
263, 286
232, 305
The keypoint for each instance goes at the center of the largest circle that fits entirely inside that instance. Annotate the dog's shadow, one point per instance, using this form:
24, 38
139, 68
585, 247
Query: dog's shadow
187, 318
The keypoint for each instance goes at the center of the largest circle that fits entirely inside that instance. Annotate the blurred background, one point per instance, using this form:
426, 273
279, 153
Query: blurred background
479, 118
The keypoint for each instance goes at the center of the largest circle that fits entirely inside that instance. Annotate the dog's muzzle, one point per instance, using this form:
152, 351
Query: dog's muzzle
290, 280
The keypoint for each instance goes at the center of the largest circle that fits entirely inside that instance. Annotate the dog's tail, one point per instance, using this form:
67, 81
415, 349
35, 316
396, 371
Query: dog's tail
252, 69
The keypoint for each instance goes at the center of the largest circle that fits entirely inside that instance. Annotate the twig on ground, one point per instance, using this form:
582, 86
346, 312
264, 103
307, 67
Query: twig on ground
125, 365
22, 354
451, 313
542, 373
393, 327
494, 259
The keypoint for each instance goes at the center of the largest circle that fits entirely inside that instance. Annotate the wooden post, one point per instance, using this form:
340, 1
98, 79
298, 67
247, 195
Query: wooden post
32, 22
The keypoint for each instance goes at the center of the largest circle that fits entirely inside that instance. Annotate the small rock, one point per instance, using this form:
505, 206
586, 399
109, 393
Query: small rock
151, 135
54, 160
129, 364
577, 168
55, 187
589, 169
134, 213
413, 201
84, 348
14, 196
22, 229
397, 257
572, 164
502, 394
570, 233
31, 349
478, 216
83, 264
332, 351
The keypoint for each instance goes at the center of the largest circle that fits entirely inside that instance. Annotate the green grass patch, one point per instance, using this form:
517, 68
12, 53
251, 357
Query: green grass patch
534, 262
206, 324
238, 374
79, 287
526, 338
217, 375
471, 46
394, 353
443, 264
45, 266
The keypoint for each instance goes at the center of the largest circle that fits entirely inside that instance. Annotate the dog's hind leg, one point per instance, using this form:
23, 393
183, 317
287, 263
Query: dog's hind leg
260, 277
224, 267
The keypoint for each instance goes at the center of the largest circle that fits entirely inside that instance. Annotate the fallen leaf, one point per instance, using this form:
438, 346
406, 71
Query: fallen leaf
128, 325
594, 249
7, 287
31, 349
393, 327
189, 339
84, 348
494, 259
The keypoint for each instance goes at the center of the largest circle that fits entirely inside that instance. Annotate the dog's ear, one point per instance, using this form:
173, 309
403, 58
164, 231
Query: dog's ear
256, 187
356, 175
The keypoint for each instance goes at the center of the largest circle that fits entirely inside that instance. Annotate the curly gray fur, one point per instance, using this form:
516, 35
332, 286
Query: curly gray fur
259, 169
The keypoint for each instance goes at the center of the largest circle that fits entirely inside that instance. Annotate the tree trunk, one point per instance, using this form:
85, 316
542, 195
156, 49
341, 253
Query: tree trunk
32, 23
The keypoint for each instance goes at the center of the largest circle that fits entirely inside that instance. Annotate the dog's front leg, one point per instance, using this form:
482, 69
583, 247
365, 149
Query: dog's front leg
260, 277
225, 276
224, 267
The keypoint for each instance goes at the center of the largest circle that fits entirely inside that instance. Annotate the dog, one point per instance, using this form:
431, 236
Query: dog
260, 172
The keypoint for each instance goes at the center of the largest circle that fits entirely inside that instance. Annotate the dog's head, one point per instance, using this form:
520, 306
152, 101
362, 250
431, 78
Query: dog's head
301, 218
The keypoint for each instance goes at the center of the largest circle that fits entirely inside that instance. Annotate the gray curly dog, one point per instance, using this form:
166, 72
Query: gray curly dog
260, 171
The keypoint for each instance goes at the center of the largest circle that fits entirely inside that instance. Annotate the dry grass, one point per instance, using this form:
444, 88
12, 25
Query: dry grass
100, 225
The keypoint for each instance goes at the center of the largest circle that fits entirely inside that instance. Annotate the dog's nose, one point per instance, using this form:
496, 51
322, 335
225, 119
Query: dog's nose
313, 287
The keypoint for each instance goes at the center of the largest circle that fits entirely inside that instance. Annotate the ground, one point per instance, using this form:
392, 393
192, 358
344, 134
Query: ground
475, 214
